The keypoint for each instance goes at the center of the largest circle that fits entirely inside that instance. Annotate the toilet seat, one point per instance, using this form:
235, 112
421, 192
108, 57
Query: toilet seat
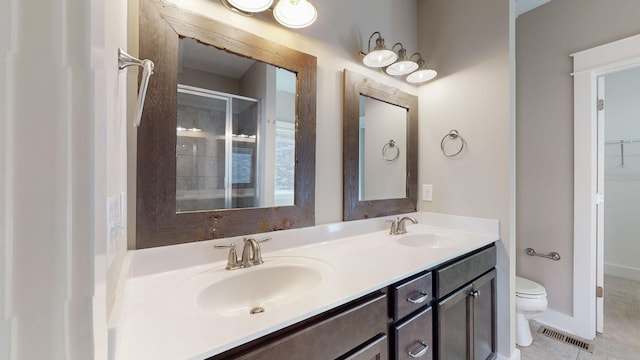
526, 288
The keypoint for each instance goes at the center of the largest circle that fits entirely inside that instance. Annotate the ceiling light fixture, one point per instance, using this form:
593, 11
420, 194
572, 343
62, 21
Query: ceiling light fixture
380, 56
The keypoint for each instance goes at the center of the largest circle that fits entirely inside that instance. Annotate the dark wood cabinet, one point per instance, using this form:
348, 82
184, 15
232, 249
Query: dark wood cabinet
335, 334
466, 317
446, 313
376, 349
411, 294
412, 326
414, 337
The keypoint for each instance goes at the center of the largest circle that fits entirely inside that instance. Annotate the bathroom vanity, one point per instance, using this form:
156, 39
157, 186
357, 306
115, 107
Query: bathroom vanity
359, 294
397, 322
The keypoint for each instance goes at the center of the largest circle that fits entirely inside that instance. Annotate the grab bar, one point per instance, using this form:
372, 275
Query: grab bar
125, 60
552, 255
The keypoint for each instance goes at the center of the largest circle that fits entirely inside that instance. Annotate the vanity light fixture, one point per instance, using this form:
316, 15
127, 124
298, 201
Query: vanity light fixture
380, 56
403, 65
251, 6
294, 14
397, 63
423, 73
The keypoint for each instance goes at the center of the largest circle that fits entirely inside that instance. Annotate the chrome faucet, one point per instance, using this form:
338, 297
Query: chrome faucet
398, 226
251, 254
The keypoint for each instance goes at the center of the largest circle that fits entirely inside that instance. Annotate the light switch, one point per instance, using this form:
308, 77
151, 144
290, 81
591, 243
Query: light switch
427, 192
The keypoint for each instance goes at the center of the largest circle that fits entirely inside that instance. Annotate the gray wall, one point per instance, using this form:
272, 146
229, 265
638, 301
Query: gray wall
545, 37
470, 44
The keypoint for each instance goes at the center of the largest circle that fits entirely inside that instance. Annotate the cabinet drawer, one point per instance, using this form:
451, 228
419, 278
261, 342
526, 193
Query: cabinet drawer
376, 349
414, 337
411, 295
328, 339
451, 277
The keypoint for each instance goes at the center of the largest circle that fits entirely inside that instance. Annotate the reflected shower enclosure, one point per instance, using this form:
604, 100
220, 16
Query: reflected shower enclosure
235, 135
221, 157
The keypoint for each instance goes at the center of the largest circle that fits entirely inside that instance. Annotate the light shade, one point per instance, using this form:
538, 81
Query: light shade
380, 56
403, 65
251, 6
295, 13
421, 75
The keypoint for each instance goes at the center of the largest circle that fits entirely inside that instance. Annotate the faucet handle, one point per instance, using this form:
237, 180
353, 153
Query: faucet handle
264, 240
394, 226
232, 259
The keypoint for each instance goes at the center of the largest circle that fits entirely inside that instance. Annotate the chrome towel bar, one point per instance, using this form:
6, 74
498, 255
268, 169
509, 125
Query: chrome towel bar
552, 255
126, 60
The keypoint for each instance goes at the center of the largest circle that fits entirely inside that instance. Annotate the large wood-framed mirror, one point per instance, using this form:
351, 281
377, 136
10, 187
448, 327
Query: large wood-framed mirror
225, 196
380, 149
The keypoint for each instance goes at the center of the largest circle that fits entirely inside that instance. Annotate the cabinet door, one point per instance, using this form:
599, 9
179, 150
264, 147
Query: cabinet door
484, 316
453, 325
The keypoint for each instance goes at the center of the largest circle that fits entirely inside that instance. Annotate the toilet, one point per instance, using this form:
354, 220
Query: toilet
531, 301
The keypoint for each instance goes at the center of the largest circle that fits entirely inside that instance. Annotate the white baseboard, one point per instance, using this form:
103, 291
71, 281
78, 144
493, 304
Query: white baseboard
515, 355
564, 323
622, 272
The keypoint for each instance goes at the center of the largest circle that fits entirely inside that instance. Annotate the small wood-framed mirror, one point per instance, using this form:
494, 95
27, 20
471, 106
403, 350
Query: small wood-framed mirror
380, 179
161, 219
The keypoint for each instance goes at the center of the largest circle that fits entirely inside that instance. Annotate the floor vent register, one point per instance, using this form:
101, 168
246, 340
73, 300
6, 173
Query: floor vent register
581, 344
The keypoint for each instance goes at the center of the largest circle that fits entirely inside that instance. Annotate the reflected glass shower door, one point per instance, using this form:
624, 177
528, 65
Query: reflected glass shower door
242, 164
216, 153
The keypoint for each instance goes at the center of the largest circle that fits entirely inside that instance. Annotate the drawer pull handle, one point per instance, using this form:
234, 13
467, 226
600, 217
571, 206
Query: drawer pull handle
420, 299
421, 350
474, 293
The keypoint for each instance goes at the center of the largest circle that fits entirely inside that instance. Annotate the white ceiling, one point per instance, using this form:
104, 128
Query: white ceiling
522, 6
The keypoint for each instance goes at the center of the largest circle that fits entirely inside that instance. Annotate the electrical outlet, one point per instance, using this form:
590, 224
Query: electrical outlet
427, 192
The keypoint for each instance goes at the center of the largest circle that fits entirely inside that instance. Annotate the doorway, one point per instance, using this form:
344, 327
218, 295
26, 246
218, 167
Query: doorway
589, 65
619, 186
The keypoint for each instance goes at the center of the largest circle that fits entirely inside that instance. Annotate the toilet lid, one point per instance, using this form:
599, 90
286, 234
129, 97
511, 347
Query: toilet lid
528, 287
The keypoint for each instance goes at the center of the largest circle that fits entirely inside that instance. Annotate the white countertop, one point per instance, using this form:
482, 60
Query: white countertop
154, 321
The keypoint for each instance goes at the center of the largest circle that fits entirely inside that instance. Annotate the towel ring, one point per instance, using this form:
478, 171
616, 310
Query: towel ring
388, 148
452, 135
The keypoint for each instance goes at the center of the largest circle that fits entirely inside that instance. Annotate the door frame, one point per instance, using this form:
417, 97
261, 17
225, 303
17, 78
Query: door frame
587, 66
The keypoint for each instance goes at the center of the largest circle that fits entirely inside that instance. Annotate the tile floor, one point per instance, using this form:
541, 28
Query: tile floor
621, 337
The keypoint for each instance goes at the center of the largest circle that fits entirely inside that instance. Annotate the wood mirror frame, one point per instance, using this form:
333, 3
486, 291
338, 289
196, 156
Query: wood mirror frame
158, 224
354, 209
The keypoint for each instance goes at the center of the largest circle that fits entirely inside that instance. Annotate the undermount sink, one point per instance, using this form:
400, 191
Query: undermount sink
431, 240
261, 288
